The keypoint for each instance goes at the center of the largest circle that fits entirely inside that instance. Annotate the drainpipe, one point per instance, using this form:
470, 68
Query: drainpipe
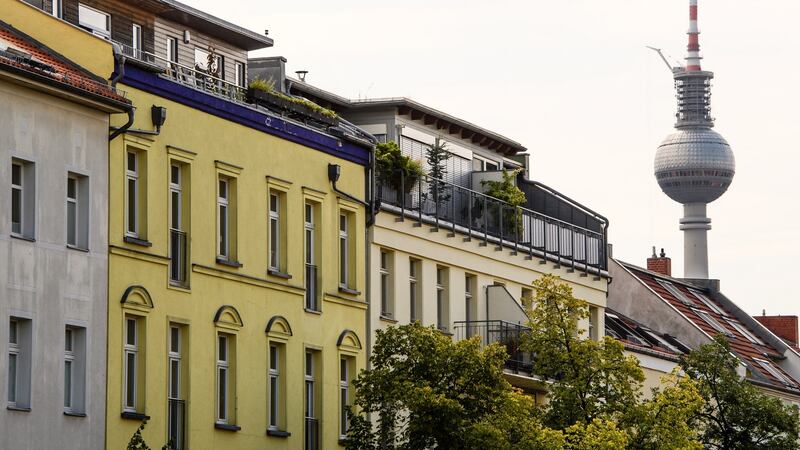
119, 69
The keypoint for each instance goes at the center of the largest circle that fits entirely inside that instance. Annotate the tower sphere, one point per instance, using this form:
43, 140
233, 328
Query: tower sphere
694, 165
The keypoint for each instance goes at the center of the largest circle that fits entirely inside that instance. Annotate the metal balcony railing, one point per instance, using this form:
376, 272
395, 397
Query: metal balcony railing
194, 77
312, 301
176, 426
312, 434
178, 257
457, 209
507, 334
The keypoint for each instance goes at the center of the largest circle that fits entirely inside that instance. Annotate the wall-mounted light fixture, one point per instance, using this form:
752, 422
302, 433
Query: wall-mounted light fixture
187, 36
159, 115
334, 172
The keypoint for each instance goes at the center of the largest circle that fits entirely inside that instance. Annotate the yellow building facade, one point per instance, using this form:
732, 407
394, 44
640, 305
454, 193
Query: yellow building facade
196, 341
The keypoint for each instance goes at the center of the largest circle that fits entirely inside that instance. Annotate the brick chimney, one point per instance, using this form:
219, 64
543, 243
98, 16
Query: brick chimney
785, 327
660, 263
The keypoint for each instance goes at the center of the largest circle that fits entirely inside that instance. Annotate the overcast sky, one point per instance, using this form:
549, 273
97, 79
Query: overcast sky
573, 82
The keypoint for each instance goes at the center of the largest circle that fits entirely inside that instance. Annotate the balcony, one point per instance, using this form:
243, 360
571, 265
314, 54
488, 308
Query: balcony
312, 297
178, 258
453, 208
311, 434
176, 425
507, 334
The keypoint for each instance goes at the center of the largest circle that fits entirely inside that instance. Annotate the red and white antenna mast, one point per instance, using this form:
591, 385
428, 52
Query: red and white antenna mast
693, 56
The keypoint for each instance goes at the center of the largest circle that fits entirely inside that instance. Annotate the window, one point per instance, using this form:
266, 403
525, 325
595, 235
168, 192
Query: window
413, 290
310, 257
77, 211
593, 323
241, 74
713, 322
205, 62
133, 364
56, 8
74, 369
470, 306
276, 237
172, 49
344, 396
223, 212
225, 378
344, 251
387, 305
675, 292
310, 401
95, 21
133, 194
442, 307
176, 406
136, 40
178, 245
23, 195
772, 370
744, 332
276, 392
708, 302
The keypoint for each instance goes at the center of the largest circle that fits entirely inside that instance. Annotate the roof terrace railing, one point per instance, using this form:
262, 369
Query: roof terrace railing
460, 210
194, 77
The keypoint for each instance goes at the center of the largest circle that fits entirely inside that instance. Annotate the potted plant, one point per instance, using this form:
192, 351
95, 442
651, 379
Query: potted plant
506, 191
263, 91
395, 169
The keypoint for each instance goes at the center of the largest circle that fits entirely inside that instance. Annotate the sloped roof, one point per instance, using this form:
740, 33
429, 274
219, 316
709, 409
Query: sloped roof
32, 59
700, 306
638, 338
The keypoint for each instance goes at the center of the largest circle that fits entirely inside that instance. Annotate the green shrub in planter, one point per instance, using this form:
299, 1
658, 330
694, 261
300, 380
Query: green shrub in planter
397, 170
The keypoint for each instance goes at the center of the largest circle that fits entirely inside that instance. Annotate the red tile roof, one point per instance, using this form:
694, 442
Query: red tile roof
696, 307
45, 62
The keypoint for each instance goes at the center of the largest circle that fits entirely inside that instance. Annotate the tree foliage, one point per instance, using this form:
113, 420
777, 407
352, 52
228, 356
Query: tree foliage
736, 415
437, 155
396, 169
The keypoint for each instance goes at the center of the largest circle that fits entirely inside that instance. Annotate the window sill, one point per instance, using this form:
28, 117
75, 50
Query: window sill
76, 248
17, 408
387, 319
229, 263
279, 274
137, 241
348, 291
313, 311
74, 414
278, 433
343, 441
23, 238
134, 415
179, 287
226, 427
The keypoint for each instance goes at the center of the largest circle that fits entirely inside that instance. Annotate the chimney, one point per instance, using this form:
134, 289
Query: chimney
270, 69
660, 263
785, 327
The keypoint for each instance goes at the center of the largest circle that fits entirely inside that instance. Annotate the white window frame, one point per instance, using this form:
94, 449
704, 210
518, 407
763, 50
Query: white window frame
274, 386
132, 176
386, 284
744, 331
241, 74
708, 302
174, 356
172, 49
56, 8
69, 369
131, 404
223, 204
672, 289
413, 288
274, 241
344, 250
104, 33
18, 189
15, 350
344, 396
310, 232
136, 40
176, 188
223, 366
309, 403
468, 298
73, 202
706, 316
769, 367
441, 298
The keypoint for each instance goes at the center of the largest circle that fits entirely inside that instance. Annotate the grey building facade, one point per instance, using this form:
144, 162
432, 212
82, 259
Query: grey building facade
54, 130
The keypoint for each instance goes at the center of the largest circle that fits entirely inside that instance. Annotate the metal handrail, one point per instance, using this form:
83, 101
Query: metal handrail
512, 226
178, 246
176, 429
311, 434
507, 334
311, 288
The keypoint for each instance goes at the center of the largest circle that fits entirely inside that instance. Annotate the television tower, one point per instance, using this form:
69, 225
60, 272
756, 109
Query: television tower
694, 165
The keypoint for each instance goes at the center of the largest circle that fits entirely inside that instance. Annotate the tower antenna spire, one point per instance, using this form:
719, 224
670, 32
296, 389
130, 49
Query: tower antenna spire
693, 50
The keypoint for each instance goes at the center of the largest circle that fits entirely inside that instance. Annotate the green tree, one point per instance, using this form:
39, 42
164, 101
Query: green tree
596, 388
437, 156
425, 391
737, 415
